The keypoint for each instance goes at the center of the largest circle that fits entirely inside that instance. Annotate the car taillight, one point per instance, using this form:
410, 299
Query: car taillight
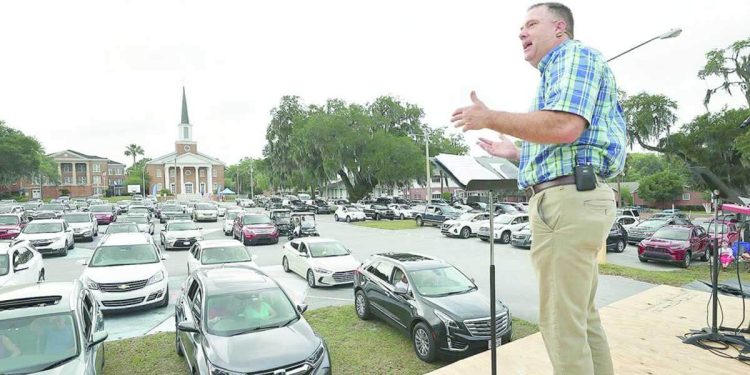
640, 249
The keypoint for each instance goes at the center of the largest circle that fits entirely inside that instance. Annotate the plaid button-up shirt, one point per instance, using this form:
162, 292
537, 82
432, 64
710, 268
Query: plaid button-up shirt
576, 79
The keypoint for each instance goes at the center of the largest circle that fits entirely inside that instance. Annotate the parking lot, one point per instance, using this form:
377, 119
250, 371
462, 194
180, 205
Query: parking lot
515, 280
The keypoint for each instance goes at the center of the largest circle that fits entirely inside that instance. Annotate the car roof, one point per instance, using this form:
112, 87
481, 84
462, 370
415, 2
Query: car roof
229, 279
316, 240
116, 239
38, 298
218, 243
58, 221
413, 261
680, 226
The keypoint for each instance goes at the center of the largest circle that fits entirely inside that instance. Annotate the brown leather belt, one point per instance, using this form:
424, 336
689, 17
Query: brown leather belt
538, 188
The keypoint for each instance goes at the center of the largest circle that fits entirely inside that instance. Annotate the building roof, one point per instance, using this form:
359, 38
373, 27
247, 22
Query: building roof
184, 119
170, 158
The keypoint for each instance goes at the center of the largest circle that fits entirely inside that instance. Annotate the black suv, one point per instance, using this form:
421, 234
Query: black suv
321, 207
377, 212
430, 300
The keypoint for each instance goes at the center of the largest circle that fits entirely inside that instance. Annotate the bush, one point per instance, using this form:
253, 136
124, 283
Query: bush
65, 192
447, 196
166, 192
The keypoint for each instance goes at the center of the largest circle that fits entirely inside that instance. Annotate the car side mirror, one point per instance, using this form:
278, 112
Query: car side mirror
187, 326
83, 262
68, 230
164, 256
302, 308
400, 289
98, 338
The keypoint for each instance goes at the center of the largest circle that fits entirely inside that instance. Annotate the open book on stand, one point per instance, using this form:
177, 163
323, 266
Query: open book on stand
479, 173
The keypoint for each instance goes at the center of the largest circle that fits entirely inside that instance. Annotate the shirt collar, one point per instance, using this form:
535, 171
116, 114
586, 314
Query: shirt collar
546, 59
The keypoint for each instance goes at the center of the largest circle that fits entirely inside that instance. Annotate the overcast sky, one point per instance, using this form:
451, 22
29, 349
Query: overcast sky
96, 76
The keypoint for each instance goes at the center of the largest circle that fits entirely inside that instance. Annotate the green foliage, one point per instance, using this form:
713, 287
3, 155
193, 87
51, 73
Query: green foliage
363, 145
664, 186
261, 176
166, 192
732, 66
133, 150
64, 192
649, 118
22, 156
640, 165
136, 175
627, 196
447, 196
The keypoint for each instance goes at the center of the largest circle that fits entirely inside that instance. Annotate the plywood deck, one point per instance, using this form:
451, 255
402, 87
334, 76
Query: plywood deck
643, 332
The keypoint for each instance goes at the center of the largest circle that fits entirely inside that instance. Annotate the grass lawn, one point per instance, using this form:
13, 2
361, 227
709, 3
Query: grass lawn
388, 224
355, 346
678, 277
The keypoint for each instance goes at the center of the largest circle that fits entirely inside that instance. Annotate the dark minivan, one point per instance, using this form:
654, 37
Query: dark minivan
433, 302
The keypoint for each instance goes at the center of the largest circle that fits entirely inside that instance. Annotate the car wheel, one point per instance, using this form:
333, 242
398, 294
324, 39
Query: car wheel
705, 255
505, 238
177, 345
377, 216
686, 260
227, 233
311, 279
245, 241
621, 246
420, 222
336, 218
361, 305
465, 232
41, 275
65, 250
165, 301
72, 245
424, 344
348, 219
401, 216
285, 264
642, 259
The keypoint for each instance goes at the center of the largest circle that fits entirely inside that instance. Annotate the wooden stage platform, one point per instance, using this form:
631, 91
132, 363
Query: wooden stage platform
644, 335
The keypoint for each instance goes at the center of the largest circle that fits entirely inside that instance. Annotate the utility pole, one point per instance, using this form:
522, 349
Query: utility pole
252, 191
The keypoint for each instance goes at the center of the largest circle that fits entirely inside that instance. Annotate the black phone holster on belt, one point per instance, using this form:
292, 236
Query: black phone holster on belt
584, 176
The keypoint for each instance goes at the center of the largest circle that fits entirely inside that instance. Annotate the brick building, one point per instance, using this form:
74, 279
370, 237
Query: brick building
186, 172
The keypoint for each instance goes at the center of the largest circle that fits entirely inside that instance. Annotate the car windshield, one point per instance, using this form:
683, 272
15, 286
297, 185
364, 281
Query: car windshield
231, 215
466, 217
51, 207
183, 225
77, 218
438, 282
652, 224
9, 220
710, 227
37, 227
172, 208
327, 249
122, 228
282, 214
101, 208
30, 206
503, 219
224, 254
674, 234
3, 264
507, 208
378, 207
204, 206
6, 209
122, 255
352, 208
37, 343
138, 209
256, 219
245, 312
134, 219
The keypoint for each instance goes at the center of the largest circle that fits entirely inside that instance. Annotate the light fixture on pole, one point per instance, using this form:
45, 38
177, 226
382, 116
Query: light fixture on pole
669, 34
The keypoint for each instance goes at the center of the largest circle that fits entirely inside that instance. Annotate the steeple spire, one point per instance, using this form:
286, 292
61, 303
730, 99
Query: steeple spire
184, 119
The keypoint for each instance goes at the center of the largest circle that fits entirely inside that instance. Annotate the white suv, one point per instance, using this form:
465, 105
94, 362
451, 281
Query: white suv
466, 225
127, 271
19, 263
49, 236
504, 225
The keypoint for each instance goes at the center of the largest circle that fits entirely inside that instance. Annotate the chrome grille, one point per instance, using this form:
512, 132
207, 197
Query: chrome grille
482, 327
654, 249
123, 302
343, 277
123, 287
41, 242
301, 368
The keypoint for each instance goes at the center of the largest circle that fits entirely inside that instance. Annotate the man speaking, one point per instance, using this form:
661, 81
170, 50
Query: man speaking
573, 138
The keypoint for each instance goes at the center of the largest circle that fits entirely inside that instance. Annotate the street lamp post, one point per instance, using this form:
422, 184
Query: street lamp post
252, 191
669, 34
143, 179
425, 130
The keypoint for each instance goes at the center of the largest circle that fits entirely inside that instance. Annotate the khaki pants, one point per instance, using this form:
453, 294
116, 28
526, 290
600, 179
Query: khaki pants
568, 228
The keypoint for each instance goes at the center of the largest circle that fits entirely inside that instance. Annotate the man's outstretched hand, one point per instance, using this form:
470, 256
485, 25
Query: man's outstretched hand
503, 147
474, 117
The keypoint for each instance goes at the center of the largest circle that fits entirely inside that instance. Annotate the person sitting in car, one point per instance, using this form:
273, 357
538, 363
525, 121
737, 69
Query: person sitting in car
403, 282
7, 348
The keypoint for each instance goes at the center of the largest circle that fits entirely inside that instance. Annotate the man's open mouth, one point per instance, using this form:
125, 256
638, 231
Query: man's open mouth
526, 45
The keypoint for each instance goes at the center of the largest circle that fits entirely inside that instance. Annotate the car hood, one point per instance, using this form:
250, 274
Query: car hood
184, 233
40, 236
259, 226
73, 367
665, 243
471, 305
336, 264
231, 353
123, 274
197, 211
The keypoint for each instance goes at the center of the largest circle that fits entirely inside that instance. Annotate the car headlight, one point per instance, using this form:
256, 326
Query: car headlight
159, 276
213, 370
449, 323
90, 284
169, 237
316, 356
322, 270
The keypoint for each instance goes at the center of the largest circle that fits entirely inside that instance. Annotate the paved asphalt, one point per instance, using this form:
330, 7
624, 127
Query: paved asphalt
515, 280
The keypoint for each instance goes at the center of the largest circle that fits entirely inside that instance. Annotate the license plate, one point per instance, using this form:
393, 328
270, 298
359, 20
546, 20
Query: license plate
186, 243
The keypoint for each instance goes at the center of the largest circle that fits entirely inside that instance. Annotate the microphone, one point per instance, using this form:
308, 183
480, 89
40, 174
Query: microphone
745, 123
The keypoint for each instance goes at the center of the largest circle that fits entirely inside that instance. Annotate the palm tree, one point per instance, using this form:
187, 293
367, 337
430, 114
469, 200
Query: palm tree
133, 150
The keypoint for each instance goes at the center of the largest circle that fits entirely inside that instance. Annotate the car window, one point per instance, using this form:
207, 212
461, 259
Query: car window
198, 252
243, 312
399, 278
121, 255
192, 289
195, 306
87, 312
4, 266
441, 281
24, 256
16, 258
224, 254
42, 340
383, 271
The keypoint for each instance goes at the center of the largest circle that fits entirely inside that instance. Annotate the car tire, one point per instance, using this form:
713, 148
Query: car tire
485, 239
72, 245
424, 343
465, 232
165, 301
420, 222
65, 251
705, 255
401, 217
177, 346
621, 245
245, 241
311, 279
348, 219
686, 260
335, 218
505, 237
41, 275
285, 264
377, 216
227, 233
361, 305
642, 259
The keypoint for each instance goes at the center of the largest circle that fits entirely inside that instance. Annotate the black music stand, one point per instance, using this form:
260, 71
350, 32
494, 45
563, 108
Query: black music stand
482, 174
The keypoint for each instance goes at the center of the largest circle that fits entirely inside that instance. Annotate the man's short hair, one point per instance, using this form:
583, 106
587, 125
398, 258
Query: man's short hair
561, 11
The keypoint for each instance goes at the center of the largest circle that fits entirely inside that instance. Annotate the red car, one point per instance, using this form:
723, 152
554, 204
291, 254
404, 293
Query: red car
10, 226
675, 244
104, 213
253, 229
